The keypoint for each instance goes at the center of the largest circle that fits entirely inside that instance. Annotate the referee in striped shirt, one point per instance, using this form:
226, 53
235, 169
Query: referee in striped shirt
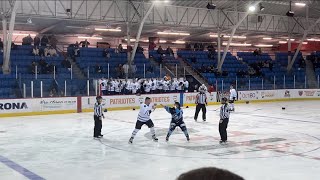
98, 115
201, 102
224, 120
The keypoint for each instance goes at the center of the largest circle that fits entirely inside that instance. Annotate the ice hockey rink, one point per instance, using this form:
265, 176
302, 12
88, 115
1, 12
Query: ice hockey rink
265, 143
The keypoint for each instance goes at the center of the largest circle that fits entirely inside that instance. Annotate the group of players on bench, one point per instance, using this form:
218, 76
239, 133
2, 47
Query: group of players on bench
176, 112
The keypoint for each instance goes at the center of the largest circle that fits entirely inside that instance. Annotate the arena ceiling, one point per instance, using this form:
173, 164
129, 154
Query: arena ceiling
51, 17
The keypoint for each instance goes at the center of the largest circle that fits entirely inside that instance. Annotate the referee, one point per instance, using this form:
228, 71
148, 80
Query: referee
224, 120
201, 102
98, 115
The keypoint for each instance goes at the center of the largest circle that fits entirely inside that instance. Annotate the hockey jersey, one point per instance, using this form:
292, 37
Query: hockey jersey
177, 114
144, 113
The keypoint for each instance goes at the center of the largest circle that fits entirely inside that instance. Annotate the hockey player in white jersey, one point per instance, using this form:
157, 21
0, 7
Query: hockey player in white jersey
233, 97
144, 119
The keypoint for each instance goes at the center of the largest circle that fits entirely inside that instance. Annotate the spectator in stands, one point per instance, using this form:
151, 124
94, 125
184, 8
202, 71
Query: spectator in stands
140, 49
35, 51
50, 51
106, 53
129, 49
271, 65
167, 77
27, 40
13, 46
53, 41
196, 47
120, 48
152, 46
266, 64
302, 62
98, 69
84, 43
36, 41
257, 52
34, 68
160, 50
51, 68
169, 51
209, 173
193, 59
44, 40
43, 65
76, 49
66, 64
150, 69
126, 69
188, 46
251, 71
120, 71
1, 45
201, 47
133, 70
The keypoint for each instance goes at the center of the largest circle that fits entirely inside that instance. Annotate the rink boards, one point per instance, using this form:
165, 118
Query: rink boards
59, 105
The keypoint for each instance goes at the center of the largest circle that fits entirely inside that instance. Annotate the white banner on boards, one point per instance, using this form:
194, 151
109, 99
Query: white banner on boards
190, 98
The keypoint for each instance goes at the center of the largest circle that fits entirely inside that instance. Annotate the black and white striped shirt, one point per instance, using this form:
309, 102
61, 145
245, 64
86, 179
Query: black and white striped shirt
201, 98
98, 110
224, 111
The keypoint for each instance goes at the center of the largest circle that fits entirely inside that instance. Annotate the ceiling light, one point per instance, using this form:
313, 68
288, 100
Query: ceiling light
87, 37
282, 42
261, 7
162, 41
23, 34
131, 40
290, 13
236, 44
211, 6
312, 39
267, 38
252, 8
179, 42
174, 33
300, 4
263, 45
111, 30
304, 42
290, 39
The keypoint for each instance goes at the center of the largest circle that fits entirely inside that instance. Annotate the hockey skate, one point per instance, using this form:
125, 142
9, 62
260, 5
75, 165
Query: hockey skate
130, 140
167, 138
155, 138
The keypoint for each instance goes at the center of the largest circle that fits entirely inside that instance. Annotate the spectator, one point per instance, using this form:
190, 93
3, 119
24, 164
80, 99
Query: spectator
133, 70
27, 40
120, 71
44, 40
169, 51
85, 43
66, 64
98, 69
201, 47
152, 46
43, 65
50, 51
53, 41
271, 65
266, 64
188, 46
51, 68
150, 69
126, 69
13, 46
193, 59
196, 47
35, 51
140, 49
34, 68
257, 52
167, 77
1, 44
76, 49
36, 41
209, 173
120, 48
106, 53
160, 50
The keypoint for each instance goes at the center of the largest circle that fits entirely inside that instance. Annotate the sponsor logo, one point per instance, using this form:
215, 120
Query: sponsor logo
160, 99
56, 104
267, 94
10, 106
309, 93
122, 101
249, 95
191, 98
300, 93
287, 93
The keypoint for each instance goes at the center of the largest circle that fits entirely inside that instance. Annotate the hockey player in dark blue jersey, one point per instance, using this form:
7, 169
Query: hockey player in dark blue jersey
177, 120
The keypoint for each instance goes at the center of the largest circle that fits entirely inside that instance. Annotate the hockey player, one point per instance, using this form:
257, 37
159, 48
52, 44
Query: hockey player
98, 115
103, 84
177, 120
144, 118
233, 97
224, 120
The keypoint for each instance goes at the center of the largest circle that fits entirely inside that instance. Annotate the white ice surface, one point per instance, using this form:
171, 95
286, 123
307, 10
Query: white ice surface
265, 143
